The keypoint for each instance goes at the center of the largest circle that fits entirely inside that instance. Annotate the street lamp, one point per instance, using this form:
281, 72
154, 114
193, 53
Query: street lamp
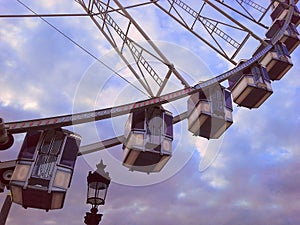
98, 183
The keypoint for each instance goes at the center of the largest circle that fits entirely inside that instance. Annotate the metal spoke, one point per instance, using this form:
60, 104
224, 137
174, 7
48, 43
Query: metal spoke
218, 29
120, 38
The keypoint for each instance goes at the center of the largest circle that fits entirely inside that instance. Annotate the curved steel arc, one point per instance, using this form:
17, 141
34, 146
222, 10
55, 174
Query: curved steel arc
78, 118
85, 117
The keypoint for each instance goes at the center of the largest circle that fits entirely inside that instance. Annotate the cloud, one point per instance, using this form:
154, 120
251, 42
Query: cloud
253, 177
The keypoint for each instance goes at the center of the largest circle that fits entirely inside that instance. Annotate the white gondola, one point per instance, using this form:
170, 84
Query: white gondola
290, 38
277, 61
252, 87
148, 140
44, 168
210, 112
281, 9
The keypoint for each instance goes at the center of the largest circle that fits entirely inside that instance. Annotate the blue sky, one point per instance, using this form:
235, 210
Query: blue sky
253, 180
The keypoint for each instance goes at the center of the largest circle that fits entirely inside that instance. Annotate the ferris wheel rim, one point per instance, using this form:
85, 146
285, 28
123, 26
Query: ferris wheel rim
70, 119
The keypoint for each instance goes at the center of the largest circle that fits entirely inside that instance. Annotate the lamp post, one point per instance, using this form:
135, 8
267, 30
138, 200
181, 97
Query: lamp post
98, 183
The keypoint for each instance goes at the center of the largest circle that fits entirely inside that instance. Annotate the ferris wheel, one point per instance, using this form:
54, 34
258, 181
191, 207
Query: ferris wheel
256, 38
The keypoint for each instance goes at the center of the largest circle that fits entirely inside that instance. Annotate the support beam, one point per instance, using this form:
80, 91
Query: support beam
5, 210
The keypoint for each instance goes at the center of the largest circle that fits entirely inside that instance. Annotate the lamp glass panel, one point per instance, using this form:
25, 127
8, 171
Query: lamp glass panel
96, 193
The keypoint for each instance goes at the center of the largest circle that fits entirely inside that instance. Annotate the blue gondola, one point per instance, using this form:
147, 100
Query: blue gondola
148, 140
280, 10
251, 87
277, 61
44, 168
290, 38
210, 112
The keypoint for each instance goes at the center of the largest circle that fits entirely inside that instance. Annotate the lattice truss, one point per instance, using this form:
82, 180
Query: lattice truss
123, 33
142, 57
210, 21
213, 23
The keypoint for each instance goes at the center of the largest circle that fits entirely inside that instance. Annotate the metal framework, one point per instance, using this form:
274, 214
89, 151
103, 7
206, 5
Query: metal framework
217, 29
103, 14
122, 41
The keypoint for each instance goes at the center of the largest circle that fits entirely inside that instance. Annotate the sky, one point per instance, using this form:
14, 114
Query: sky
247, 176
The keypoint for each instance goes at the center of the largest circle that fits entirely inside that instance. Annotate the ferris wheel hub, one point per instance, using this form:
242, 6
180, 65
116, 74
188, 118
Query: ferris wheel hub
6, 139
